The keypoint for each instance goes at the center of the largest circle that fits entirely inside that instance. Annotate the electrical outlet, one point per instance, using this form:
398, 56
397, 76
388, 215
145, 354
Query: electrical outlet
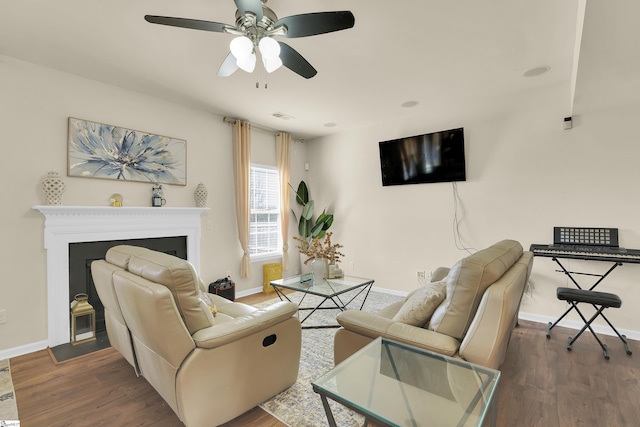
351, 265
3, 316
421, 274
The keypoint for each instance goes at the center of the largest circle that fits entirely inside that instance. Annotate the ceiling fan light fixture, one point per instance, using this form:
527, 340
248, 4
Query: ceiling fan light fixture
269, 48
241, 47
248, 63
255, 25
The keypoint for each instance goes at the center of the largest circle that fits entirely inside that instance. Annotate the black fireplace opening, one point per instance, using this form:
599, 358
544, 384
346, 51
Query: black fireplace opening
82, 254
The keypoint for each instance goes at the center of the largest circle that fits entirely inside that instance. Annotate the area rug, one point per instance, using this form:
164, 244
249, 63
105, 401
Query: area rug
8, 407
299, 405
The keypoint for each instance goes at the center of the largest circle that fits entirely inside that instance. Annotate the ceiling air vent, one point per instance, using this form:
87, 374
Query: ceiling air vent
282, 116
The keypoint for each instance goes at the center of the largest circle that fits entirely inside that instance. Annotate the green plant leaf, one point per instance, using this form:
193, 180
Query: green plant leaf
304, 228
322, 217
307, 211
327, 222
302, 194
316, 229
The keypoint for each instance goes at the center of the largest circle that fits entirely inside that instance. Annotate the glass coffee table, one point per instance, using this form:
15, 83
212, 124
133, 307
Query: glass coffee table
334, 291
394, 384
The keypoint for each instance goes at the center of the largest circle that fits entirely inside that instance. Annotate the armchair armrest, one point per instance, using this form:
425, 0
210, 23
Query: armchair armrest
439, 274
243, 326
373, 326
364, 323
423, 338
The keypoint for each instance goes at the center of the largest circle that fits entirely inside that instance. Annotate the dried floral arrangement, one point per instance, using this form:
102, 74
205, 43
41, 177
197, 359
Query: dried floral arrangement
317, 248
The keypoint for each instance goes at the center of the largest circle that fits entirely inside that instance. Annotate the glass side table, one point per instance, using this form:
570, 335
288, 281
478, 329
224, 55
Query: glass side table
394, 384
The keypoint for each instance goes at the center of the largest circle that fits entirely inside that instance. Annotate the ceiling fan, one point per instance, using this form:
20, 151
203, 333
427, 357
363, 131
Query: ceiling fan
256, 25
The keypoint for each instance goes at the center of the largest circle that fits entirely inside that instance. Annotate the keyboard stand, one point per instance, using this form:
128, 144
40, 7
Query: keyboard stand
570, 274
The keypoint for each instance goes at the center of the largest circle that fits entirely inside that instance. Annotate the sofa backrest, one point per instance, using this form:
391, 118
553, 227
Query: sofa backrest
487, 338
160, 337
466, 283
176, 274
117, 330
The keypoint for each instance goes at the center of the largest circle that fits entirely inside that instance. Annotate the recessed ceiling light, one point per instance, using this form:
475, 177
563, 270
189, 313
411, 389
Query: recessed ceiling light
330, 125
534, 72
410, 104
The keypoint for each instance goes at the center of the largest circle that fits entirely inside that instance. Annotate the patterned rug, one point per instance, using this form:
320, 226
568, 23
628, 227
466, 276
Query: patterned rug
299, 405
8, 407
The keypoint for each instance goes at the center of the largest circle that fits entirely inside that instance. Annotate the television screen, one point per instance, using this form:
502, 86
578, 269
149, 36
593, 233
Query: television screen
432, 157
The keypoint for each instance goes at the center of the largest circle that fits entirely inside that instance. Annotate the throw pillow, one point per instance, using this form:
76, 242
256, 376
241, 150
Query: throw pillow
208, 306
419, 307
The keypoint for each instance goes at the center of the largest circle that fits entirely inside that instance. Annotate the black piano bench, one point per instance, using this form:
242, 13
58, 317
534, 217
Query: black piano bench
599, 301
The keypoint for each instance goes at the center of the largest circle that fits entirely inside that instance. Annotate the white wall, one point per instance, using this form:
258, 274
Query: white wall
35, 103
525, 175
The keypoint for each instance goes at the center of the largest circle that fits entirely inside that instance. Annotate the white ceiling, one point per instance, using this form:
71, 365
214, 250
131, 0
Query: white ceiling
444, 54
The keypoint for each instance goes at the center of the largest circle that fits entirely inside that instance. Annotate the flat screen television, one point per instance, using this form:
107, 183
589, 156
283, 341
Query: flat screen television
427, 158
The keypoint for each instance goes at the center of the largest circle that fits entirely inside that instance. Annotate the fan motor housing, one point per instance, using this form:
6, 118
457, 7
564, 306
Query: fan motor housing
246, 22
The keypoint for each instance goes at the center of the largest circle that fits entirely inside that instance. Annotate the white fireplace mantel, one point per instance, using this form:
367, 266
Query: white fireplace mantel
72, 224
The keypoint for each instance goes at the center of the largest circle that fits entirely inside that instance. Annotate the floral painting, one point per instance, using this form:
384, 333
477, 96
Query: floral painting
103, 151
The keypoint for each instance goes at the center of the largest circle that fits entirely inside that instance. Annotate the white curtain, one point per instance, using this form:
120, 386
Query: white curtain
242, 173
283, 140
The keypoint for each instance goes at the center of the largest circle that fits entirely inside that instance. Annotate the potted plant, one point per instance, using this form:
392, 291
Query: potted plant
309, 230
307, 227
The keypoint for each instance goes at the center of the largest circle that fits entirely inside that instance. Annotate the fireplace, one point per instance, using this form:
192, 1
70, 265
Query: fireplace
82, 254
66, 225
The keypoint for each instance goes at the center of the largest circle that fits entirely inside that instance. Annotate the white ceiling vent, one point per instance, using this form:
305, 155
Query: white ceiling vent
282, 116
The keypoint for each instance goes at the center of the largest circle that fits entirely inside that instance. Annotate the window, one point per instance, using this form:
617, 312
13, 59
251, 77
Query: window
264, 229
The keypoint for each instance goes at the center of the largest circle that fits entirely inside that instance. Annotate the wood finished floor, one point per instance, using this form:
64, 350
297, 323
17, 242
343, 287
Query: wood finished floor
542, 384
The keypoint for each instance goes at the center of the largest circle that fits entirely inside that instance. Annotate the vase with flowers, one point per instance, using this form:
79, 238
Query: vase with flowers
322, 254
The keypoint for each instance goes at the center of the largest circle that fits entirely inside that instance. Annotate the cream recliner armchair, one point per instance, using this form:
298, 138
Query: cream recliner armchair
480, 300
208, 369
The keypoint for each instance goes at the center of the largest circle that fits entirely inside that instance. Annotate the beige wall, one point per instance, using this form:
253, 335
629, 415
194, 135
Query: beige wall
35, 103
525, 175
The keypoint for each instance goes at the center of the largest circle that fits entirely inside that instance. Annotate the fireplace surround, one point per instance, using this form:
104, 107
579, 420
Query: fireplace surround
70, 224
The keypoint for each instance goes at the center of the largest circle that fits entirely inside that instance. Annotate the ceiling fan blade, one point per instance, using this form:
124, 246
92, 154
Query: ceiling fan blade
228, 66
295, 62
253, 6
193, 24
310, 24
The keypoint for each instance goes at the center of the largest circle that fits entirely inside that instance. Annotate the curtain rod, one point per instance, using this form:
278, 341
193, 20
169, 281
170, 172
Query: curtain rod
232, 121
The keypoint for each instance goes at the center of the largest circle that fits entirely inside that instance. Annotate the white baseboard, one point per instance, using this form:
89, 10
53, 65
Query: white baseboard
249, 292
24, 349
577, 325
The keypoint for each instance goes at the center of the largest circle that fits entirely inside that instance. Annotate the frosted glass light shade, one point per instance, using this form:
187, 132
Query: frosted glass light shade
271, 64
241, 47
248, 63
269, 48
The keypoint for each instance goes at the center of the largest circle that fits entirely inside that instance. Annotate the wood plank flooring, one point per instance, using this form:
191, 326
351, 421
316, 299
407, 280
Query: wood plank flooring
542, 384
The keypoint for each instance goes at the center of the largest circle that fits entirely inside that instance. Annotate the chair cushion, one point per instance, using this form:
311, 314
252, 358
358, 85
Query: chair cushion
419, 307
176, 274
466, 283
592, 297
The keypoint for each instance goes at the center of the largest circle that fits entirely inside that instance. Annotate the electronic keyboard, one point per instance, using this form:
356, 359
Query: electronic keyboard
586, 252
